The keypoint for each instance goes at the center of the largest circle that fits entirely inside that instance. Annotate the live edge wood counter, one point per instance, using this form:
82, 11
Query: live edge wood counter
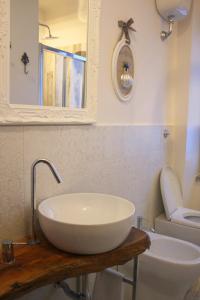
39, 265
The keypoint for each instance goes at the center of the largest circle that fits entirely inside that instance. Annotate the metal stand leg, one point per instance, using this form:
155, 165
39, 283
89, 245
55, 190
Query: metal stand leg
82, 288
85, 287
78, 285
135, 277
82, 285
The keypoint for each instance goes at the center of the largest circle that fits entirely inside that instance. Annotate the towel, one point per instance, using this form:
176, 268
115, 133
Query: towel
108, 286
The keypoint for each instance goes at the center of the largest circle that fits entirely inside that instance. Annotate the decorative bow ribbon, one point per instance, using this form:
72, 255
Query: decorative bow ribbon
126, 26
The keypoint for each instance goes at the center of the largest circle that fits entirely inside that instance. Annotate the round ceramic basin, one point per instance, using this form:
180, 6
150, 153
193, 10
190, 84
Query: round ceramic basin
86, 223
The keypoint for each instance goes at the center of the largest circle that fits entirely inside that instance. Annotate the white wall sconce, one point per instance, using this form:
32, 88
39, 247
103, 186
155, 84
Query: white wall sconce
172, 11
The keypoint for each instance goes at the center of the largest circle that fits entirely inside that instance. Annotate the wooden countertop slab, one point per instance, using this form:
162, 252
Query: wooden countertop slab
42, 264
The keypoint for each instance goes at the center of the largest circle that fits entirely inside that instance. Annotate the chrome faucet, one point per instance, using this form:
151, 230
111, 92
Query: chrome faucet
34, 239
7, 253
7, 246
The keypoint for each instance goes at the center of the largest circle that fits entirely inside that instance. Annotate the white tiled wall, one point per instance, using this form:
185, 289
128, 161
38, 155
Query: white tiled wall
121, 160
11, 182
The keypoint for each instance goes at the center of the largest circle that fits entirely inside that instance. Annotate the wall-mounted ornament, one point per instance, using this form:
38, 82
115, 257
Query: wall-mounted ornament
172, 11
25, 61
123, 63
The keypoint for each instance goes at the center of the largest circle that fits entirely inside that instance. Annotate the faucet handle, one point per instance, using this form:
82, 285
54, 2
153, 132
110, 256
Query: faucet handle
8, 256
8, 252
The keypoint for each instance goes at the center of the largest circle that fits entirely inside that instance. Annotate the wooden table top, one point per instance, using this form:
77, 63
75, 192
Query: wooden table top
43, 264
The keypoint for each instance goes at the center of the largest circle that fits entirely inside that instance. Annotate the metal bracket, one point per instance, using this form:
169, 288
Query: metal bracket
165, 34
69, 292
82, 288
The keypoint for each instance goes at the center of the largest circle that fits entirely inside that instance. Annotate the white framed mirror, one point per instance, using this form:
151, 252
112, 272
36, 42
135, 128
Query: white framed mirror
49, 58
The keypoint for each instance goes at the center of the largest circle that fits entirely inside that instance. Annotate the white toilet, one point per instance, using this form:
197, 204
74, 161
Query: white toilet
168, 269
179, 222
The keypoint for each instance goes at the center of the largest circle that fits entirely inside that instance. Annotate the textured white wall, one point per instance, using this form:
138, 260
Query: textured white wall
181, 87
151, 103
119, 160
186, 106
192, 188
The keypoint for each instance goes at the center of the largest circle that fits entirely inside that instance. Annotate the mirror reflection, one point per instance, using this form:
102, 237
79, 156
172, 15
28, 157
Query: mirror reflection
48, 52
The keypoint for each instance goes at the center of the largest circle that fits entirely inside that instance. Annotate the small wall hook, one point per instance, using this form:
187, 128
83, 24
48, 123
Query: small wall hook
25, 61
166, 133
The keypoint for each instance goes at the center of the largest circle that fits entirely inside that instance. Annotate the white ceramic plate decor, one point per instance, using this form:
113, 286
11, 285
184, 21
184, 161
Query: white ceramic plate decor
86, 223
123, 54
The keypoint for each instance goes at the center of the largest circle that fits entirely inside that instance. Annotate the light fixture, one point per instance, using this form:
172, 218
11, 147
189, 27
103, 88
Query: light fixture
165, 34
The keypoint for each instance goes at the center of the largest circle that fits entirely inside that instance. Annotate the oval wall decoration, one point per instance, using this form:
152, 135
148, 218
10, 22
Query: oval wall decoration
123, 70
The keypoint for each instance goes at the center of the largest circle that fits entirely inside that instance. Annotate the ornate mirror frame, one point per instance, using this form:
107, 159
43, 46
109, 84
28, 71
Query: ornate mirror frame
11, 114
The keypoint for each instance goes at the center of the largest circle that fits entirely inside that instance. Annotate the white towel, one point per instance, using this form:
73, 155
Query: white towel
108, 286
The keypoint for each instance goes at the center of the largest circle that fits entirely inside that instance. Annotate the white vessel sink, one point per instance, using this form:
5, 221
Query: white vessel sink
86, 223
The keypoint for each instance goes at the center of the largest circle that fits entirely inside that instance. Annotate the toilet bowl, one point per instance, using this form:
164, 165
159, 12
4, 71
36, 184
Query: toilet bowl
168, 269
179, 231
185, 222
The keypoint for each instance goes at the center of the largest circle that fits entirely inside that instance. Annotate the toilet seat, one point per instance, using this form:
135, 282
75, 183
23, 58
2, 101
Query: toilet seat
185, 216
173, 201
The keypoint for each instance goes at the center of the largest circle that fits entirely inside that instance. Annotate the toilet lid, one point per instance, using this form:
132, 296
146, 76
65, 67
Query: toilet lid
171, 191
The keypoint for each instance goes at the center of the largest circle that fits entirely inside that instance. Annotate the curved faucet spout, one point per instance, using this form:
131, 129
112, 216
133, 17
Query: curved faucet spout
51, 167
33, 190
